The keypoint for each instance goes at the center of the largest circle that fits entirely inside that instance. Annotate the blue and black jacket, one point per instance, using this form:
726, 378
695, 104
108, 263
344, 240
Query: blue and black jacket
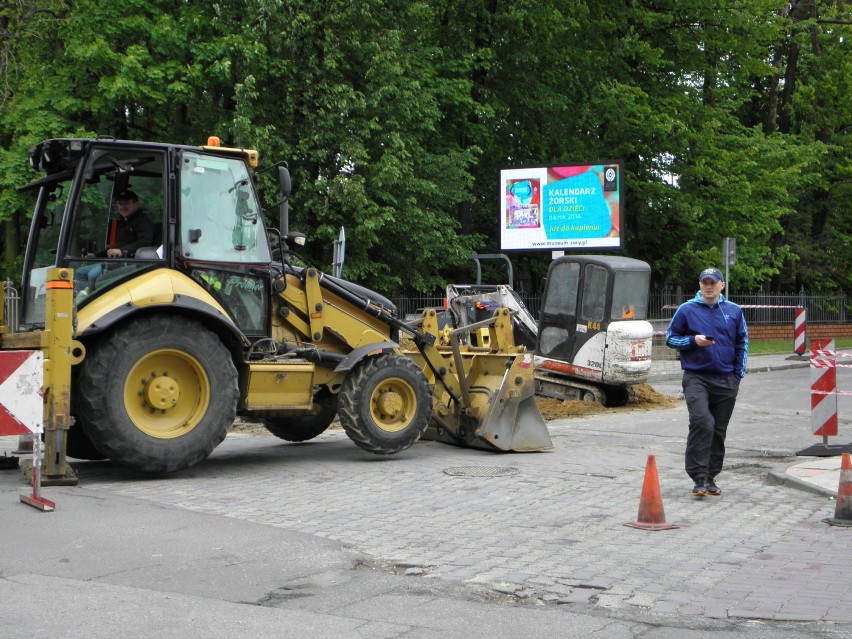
724, 321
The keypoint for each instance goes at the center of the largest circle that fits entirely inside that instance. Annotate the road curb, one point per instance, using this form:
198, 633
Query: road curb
777, 479
782, 367
670, 375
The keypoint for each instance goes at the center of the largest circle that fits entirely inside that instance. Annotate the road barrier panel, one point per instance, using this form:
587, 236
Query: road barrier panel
800, 333
824, 393
22, 409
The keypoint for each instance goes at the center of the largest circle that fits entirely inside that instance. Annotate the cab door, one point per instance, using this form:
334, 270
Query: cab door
593, 316
222, 239
558, 321
574, 317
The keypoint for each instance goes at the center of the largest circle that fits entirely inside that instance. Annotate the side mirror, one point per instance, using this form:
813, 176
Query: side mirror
284, 186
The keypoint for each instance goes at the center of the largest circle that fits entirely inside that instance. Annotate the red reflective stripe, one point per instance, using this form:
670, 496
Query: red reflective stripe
60, 284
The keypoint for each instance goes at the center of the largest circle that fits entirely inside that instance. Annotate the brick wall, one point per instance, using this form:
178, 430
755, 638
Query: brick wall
814, 331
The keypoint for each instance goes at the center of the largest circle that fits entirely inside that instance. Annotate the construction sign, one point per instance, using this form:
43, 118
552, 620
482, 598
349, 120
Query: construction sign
21, 402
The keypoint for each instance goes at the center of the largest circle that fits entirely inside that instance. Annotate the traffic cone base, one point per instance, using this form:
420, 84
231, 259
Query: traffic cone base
843, 510
643, 526
25, 445
833, 521
651, 514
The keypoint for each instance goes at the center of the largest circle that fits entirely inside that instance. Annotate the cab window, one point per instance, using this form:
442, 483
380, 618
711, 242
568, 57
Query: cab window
121, 207
594, 293
220, 217
630, 295
562, 289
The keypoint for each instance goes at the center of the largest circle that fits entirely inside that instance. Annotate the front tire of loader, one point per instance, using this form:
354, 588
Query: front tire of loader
158, 394
385, 404
301, 428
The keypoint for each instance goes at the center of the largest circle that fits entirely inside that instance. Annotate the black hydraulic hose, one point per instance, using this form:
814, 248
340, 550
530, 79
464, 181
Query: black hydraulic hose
303, 351
316, 355
365, 305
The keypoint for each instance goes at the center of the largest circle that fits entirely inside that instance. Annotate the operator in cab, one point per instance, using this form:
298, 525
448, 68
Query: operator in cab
134, 230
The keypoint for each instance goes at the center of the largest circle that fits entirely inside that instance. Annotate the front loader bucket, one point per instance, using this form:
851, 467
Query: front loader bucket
503, 414
483, 397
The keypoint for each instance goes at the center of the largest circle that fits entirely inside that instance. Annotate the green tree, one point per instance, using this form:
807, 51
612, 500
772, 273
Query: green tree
732, 118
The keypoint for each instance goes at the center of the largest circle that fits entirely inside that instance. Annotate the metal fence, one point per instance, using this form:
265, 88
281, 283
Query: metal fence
10, 308
766, 308
775, 308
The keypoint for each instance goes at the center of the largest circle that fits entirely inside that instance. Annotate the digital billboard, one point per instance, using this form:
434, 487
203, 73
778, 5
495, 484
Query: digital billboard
562, 207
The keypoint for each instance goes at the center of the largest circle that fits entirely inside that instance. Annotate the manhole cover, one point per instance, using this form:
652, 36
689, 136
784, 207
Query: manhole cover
481, 471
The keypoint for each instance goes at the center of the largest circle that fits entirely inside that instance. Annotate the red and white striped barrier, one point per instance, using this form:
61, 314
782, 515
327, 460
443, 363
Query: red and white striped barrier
21, 403
799, 331
799, 325
824, 394
823, 388
22, 409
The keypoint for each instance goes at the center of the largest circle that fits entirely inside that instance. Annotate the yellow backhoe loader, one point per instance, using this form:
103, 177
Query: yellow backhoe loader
203, 317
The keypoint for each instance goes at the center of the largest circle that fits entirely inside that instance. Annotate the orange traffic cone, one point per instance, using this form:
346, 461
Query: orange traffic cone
651, 514
843, 510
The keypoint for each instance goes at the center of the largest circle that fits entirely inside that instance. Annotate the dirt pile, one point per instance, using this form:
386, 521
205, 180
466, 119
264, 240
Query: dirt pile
646, 399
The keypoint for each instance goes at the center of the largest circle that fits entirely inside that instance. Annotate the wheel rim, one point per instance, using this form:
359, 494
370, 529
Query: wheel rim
167, 393
393, 404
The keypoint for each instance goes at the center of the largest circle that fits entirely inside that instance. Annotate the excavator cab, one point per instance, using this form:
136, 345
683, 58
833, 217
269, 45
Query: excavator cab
592, 326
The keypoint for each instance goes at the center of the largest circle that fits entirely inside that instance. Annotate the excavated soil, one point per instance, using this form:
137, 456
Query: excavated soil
646, 399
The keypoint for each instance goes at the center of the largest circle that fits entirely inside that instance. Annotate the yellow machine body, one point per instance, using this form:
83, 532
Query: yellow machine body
150, 356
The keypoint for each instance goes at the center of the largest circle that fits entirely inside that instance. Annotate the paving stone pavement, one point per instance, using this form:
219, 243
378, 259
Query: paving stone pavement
553, 531
549, 527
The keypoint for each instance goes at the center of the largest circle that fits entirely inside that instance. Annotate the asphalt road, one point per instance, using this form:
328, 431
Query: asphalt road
321, 539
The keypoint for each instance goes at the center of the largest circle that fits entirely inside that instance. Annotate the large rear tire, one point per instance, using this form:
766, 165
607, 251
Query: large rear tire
301, 428
158, 394
385, 404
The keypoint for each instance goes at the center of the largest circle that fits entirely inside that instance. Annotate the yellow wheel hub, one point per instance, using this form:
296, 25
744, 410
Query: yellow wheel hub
162, 392
393, 404
167, 393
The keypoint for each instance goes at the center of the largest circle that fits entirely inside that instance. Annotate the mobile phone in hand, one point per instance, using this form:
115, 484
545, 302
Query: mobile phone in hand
710, 338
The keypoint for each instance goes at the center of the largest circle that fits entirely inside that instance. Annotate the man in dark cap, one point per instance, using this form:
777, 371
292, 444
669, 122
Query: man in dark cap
133, 231
711, 334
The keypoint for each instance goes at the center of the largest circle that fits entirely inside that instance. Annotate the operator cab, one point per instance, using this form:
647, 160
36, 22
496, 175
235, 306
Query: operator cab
584, 295
205, 213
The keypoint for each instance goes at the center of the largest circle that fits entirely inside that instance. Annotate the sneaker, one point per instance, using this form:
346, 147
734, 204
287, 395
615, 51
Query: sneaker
712, 488
700, 488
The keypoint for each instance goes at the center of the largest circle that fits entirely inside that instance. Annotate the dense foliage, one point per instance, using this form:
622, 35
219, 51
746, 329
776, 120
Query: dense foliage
732, 117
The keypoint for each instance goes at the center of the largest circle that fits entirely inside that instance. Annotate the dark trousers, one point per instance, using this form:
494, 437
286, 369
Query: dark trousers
710, 401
